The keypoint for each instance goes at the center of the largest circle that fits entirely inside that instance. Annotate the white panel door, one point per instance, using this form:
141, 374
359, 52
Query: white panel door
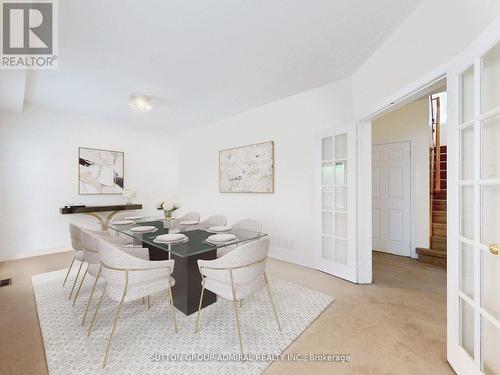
474, 207
391, 202
336, 168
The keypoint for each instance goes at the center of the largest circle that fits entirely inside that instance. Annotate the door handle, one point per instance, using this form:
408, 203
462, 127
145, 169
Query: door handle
494, 249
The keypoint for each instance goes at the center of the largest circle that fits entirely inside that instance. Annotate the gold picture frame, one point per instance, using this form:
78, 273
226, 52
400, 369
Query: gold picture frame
91, 187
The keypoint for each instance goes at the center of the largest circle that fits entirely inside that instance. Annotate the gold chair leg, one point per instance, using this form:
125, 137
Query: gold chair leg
238, 324
96, 311
272, 301
114, 328
91, 295
80, 286
149, 302
69, 269
199, 306
143, 301
172, 305
236, 310
76, 279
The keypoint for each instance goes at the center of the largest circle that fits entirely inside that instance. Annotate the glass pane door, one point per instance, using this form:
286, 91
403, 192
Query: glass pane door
338, 253
478, 171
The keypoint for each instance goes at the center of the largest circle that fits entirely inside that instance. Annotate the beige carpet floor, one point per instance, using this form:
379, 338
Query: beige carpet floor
395, 326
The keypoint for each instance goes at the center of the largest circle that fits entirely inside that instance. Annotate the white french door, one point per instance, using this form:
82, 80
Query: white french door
391, 189
336, 204
474, 207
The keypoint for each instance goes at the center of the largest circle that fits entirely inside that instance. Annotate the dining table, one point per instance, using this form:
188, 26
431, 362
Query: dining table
187, 289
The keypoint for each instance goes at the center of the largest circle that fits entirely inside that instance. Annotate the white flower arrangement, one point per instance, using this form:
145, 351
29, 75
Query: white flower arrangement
129, 194
168, 206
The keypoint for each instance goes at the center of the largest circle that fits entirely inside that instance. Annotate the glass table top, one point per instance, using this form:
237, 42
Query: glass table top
197, 235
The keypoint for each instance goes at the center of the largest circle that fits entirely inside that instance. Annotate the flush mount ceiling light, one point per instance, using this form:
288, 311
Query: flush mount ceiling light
140, 102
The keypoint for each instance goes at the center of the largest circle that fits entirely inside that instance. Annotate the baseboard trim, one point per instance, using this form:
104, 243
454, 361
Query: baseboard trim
34, 254
277, 254
273, 254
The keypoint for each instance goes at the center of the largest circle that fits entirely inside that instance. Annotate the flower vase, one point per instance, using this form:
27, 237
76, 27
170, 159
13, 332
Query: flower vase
168, 215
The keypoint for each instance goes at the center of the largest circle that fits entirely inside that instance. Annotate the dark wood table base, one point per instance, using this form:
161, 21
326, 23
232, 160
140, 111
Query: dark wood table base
187, 288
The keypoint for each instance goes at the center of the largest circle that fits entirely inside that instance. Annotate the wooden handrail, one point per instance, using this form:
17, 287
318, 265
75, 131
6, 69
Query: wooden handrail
437, 154
435, 158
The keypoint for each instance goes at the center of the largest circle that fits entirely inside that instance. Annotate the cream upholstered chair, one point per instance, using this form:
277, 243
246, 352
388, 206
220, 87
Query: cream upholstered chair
90, 244
123, 215
237, 275
214, 220
245, 224
248, 224
129, 278
76, 244
195, 216
90, 256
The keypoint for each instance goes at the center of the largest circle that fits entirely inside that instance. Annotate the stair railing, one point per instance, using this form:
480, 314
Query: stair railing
435, 158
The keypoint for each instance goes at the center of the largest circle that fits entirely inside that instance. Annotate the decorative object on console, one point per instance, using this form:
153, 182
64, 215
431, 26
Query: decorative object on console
100, 171
247, 169
168, 207
129, 194
74, 205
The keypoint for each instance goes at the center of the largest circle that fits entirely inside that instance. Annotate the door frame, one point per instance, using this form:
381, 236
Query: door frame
425, 84
401, 97
413, 211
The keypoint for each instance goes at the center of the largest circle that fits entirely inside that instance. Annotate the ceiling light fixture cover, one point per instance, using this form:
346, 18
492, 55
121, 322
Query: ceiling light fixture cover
140, 102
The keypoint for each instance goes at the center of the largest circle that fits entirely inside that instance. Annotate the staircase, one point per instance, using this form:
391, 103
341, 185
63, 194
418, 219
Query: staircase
437, 252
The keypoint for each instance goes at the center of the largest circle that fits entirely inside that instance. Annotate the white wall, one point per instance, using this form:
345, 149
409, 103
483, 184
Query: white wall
431, 36
38, 173
291, 123
38, 147
411, 123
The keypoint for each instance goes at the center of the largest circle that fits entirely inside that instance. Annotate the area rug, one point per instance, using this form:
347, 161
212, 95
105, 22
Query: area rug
145, 341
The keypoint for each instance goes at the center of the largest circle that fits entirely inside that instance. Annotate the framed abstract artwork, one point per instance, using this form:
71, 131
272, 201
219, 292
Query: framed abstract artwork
247, 169
100, 171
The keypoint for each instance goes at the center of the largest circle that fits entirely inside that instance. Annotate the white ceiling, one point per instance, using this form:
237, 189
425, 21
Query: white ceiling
202, 60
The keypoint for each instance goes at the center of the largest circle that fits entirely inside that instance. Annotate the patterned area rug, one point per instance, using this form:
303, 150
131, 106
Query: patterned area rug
145, 341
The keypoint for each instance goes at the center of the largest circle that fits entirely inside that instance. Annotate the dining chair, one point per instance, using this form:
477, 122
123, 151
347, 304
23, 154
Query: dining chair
245, 224
129, 278
90, 256
123, 215
237, 275
194, 216
76, 244
90, 244
214, 220
248, 224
